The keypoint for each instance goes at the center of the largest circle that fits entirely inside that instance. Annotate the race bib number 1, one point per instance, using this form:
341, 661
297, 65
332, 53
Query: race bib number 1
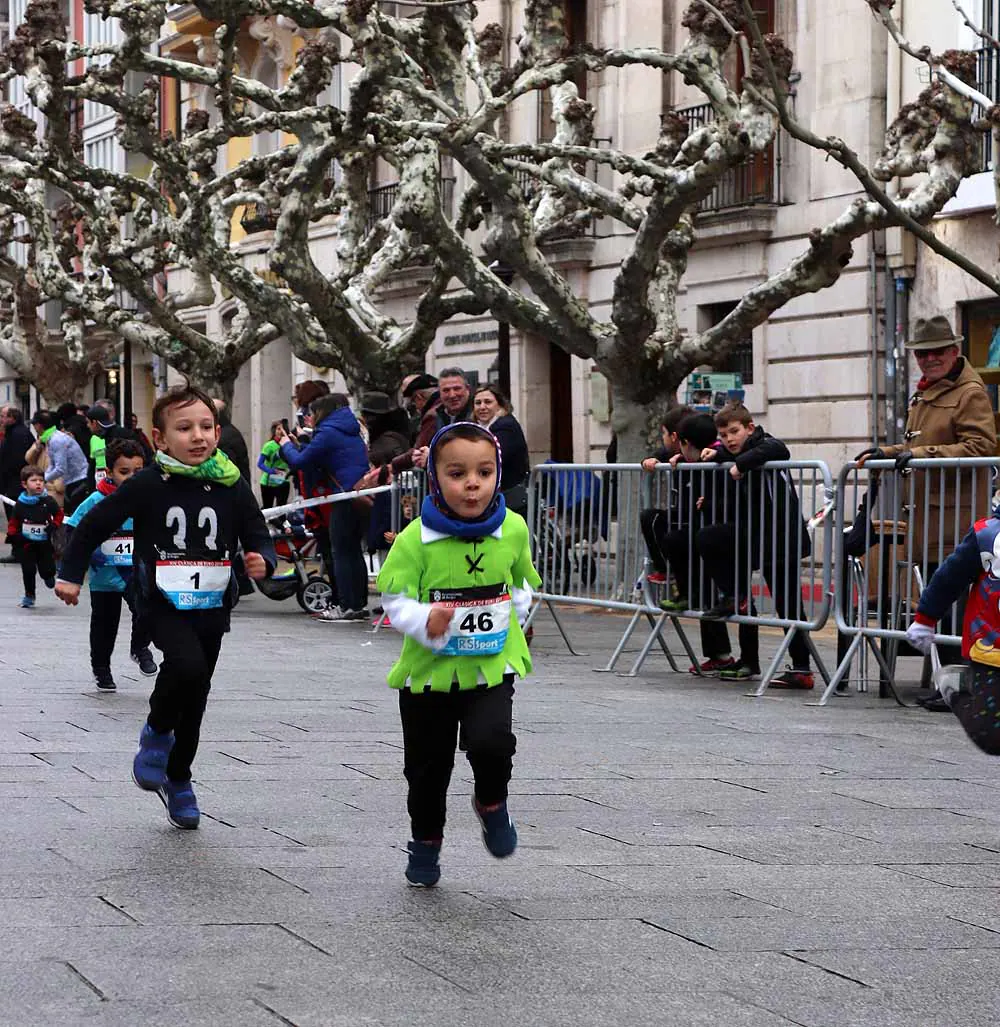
194, 584
480, 621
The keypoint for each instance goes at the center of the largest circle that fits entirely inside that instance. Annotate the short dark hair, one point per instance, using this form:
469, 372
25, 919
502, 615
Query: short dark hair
733, 412
43, 418
181, 396
698, 430
31, 471
672, 419
454, 372
119, 448
13, 412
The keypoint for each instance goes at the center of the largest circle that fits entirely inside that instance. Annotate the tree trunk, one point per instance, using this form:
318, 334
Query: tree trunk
632, 424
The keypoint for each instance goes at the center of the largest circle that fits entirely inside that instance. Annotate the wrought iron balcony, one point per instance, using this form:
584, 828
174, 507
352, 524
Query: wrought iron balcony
755, 182
258, 218
382, 198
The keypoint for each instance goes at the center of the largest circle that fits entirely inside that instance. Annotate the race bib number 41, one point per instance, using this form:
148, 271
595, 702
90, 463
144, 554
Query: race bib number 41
194, 584
117, 551
480, 621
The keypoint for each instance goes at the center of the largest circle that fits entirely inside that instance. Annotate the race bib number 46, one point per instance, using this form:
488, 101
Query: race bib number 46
480, 621
194, 584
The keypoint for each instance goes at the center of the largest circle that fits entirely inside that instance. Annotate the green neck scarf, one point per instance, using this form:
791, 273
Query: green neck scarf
46, 435
218, 467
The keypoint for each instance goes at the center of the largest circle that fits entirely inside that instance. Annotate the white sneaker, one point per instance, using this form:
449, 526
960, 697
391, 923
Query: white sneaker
335, 615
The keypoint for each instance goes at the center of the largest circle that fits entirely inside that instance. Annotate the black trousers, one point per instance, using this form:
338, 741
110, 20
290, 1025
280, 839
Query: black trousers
37, 558
190, 643
655, 525
274, 495
105, 616
726, 558
431, 722
978, 709
75, 495
676, 547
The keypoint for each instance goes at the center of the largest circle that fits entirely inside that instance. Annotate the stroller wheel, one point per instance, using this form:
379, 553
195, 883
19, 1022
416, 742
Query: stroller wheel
315, 595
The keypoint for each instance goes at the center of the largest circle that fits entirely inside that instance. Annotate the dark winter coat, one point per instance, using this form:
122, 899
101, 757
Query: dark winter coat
232, 443
335, 450
17, 441
515, 465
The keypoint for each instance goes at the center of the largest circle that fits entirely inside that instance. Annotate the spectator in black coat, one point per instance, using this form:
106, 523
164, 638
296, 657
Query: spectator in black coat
232, 443
17, 440
491, 409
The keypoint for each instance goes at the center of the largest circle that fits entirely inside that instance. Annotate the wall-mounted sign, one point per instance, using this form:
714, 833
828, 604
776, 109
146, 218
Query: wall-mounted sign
469, 337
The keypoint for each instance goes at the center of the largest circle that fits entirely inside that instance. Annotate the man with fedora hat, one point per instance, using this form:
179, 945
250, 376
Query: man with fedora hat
950, 416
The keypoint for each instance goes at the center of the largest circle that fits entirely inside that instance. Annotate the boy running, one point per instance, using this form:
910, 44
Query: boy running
449, 584
190, 512
29, 532
111, 572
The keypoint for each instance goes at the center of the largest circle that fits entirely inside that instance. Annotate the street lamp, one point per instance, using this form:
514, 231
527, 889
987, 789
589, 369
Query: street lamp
125, 301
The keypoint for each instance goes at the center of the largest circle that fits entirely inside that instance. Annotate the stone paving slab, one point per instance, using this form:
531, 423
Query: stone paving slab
688, 855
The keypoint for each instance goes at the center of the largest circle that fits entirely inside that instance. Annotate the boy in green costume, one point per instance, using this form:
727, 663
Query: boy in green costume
457, 583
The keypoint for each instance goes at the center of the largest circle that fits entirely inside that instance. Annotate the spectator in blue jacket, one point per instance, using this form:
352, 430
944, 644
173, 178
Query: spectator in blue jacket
337, 453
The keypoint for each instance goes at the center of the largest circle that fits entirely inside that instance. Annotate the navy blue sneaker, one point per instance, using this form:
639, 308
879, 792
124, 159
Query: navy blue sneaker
499, 833
422, 870
149, 768
182, 806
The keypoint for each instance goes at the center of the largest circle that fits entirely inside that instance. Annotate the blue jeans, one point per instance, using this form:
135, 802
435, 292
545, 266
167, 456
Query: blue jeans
346, 533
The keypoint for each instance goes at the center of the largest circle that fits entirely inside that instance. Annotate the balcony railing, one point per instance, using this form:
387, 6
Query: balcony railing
755, 182
258, 218
382, 199
988, 82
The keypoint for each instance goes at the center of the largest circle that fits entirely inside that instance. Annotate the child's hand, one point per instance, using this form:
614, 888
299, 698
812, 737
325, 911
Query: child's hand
649, 464
438, 622
921, 637
675, 459
389, 536
256, 565
700, 503
420, 456
735, 473
68, 593
708, 453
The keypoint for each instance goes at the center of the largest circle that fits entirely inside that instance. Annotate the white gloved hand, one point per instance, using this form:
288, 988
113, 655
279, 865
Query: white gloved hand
921, 637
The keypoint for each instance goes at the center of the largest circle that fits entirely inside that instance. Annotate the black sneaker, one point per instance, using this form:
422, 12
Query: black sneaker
147, 665
104, 680
49, 582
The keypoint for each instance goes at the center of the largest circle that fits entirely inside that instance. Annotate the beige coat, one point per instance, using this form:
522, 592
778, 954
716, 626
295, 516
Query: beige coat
954, 418
39, 456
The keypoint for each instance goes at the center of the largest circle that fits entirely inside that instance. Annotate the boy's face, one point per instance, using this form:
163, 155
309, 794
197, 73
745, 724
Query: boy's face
467, 473
125, 467
671, 443
190, 433
35, 485
734, 435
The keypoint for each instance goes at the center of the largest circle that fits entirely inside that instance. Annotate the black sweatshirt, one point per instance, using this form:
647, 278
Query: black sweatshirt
171, 515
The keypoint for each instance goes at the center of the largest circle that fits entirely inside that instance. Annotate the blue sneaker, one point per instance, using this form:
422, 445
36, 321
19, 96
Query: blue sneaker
499, 833
182, 806
27, 602
422, 870
149, 768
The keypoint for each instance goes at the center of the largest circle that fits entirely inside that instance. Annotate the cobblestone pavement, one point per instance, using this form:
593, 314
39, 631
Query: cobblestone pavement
688, 856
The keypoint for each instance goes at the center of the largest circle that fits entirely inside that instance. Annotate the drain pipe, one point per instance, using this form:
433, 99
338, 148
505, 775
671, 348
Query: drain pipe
889, 355
902, 321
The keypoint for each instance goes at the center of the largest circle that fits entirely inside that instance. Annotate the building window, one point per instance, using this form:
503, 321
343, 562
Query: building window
575, 13
739, 359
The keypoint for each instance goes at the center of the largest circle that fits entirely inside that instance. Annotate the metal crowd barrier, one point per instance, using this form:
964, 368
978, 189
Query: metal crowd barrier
903, 524
771, 552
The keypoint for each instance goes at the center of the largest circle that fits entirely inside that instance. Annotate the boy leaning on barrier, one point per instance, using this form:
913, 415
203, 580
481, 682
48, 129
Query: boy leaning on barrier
768, 533
974, 695
655, 521
702, 501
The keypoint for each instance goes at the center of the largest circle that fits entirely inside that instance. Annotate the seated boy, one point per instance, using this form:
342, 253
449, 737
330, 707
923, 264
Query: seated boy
767, 533
656, 522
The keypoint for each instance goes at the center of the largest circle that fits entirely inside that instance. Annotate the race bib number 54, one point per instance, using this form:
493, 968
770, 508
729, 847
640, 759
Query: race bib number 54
480, 621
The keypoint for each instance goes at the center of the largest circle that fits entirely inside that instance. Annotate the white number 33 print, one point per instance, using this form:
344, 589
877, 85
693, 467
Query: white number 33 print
207, 520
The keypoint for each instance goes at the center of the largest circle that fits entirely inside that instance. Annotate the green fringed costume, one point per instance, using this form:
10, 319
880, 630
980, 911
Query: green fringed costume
416, 568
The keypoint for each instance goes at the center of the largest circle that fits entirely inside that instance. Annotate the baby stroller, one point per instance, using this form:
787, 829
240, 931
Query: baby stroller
294, 543
570, 519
